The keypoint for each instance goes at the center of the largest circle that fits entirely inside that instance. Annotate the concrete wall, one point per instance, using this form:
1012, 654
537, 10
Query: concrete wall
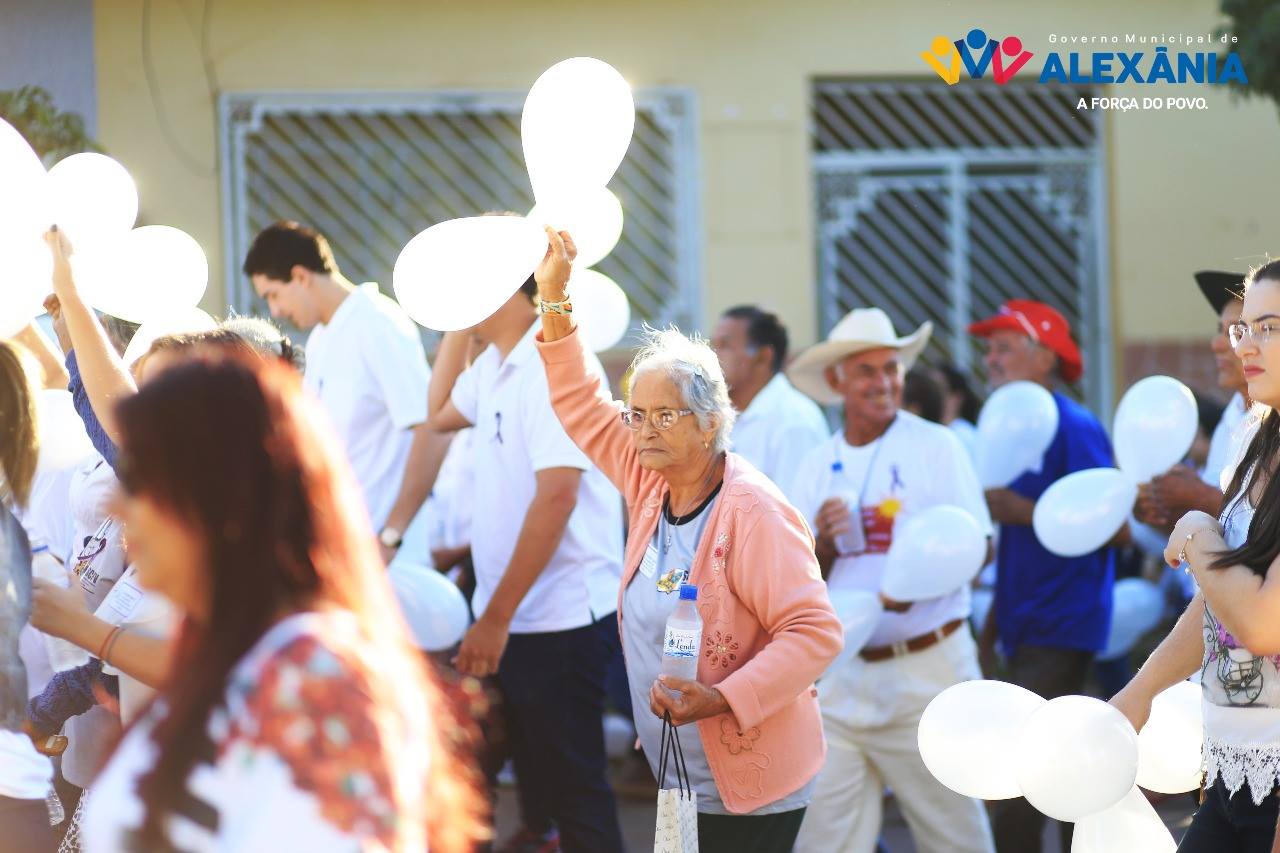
50, 43
1186, 190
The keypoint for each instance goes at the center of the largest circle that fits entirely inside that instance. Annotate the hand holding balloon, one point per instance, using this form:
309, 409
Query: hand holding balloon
553, 273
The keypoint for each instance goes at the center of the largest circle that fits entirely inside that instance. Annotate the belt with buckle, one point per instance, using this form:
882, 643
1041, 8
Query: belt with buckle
915, 644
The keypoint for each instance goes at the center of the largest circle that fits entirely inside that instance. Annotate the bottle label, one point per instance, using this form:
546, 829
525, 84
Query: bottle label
681, 642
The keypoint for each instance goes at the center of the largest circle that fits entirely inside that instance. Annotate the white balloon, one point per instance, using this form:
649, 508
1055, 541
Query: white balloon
1015, 428
1130, 826
1154, 427
456, 273
433, 606
967, 737
1083, 511
180, 322
600, 308
576, 127
1076, 756
27, 280
1169, 745
934, 553
859, 611
593, 219
63, 440
1137, 606
92, 198
152, 272
24, 203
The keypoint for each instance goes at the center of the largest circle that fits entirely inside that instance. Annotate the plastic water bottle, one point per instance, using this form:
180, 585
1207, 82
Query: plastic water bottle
683, 639
63, 654
854, 541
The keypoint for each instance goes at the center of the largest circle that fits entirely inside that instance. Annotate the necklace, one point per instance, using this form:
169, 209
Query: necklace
670, 526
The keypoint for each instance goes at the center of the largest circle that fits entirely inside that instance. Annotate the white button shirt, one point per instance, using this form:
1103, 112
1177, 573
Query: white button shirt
778, 429
516, 435
367, 367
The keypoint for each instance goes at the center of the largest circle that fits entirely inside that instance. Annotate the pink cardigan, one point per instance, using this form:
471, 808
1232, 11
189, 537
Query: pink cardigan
768, 627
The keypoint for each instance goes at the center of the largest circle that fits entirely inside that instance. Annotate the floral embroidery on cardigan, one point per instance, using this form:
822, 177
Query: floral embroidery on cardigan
720, 649
713, 603
737, 741
720, 553
746, 780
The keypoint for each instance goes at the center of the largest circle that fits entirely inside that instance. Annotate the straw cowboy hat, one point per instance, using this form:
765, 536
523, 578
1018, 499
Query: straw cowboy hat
861, 329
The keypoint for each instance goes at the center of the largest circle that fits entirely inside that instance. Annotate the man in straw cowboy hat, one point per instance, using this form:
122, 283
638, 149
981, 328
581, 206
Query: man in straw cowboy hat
883, 464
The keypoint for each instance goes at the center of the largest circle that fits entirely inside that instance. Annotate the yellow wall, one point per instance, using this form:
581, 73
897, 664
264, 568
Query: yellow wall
1187, 191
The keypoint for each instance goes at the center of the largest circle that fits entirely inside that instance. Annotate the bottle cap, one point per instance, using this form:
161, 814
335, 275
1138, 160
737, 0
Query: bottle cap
688, 592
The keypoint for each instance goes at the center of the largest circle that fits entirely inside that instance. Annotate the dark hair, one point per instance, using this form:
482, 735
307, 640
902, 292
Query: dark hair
764, 329
282, 529
958, 383
530, 287
921, 392
119, 332
1262, 456
282, 246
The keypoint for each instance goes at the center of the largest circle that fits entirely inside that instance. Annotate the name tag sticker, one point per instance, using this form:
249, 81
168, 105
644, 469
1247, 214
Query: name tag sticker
649, 565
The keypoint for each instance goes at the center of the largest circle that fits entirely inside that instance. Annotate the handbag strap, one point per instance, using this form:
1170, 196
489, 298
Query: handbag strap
669, 744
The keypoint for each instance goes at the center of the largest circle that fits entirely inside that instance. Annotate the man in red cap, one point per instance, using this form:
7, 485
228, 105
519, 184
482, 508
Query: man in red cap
1052, 614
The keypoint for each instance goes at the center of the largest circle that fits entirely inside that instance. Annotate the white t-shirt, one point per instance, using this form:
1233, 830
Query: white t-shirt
915, 465
368, 369
24, 773
516, 435
132, 606
778, 429
1230, 436
454, 493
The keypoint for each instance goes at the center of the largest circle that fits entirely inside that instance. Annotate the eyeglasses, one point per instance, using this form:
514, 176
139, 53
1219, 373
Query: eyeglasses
660, 418
1259, 331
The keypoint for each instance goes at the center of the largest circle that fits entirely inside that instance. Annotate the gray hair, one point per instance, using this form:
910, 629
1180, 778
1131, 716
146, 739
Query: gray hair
692, 365
266, 338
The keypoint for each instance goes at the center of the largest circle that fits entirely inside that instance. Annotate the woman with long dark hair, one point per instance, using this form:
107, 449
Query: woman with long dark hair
1231, 630
296, 715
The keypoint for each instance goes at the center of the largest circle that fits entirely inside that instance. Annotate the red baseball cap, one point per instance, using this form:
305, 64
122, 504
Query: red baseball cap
1043, 325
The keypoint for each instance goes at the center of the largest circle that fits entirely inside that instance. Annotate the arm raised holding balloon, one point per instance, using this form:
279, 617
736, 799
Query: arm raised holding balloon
105, 376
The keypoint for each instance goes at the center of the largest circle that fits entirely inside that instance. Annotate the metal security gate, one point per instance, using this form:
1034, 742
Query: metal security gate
370, 171
939, 203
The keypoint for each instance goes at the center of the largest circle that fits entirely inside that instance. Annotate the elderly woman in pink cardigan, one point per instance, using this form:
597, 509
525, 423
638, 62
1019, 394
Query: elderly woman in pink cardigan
703, 516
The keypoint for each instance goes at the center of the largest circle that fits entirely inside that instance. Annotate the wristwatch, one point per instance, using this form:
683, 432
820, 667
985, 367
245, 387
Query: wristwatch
390, 537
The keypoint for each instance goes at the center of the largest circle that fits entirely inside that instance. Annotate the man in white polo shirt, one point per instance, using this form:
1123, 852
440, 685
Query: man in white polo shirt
546, 543
365, 363
882, 466
777, 426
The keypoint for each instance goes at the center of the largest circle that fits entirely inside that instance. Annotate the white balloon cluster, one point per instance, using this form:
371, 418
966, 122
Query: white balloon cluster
575, 129
1075, 758
137, 274
1153, 428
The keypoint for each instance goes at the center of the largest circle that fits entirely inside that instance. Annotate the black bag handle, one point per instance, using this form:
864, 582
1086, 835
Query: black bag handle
669, 744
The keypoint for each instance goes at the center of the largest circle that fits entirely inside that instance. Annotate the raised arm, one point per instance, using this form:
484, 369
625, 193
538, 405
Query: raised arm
55, 374
105, 376
579, 396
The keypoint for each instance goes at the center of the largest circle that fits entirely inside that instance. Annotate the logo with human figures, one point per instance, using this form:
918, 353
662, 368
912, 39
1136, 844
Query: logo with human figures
975, 54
